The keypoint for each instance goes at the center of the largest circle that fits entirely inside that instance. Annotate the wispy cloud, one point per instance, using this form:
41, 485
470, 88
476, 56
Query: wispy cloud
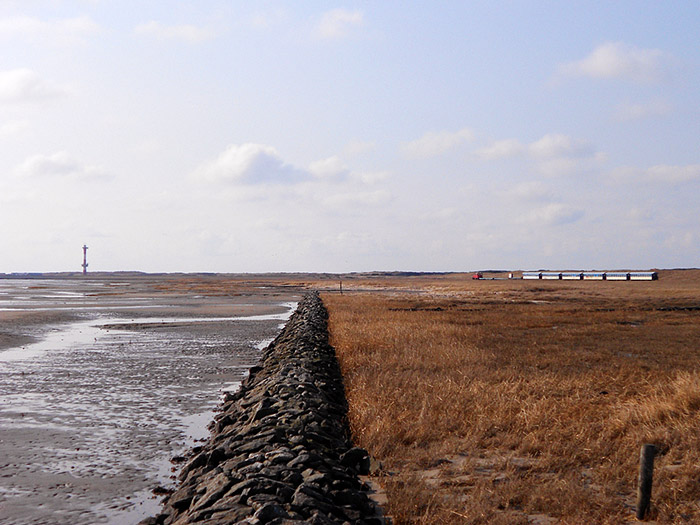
268, 19
185, 32
551, 145
14, 127
674, 174
349, 199
553, 154
619, 60
62, 166
554, 214
339, 23
435, 143
558, 145
359, 147
655, 108
371, 177
328, 168
501, 149
25, 85
65, 31
530, 191
666, 174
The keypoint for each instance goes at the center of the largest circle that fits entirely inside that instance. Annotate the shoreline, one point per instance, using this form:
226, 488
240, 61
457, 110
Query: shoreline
280, 449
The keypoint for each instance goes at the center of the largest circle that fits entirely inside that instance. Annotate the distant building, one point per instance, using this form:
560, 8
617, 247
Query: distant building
593, 276
572, 276
551, 276
643, 276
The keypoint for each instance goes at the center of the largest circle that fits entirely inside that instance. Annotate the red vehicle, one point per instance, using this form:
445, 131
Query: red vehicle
478, 275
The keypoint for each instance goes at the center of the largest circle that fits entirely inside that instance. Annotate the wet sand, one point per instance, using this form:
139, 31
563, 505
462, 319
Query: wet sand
103, 382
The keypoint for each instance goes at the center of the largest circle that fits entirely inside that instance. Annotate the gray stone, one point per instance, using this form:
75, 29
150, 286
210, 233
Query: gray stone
356, 458
279, 449
181, 498
258, 500
269, 512
319, 518
211, 491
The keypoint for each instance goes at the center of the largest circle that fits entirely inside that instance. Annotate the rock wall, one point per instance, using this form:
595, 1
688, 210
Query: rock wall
280, 449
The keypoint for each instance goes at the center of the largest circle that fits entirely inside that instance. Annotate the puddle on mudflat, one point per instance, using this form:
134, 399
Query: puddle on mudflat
143, 322
86, 331
57, 338
89, 418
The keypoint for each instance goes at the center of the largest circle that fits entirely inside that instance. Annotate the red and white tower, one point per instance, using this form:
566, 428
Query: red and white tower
85, 264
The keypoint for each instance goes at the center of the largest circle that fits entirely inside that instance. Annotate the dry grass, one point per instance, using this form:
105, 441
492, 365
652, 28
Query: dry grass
524, 402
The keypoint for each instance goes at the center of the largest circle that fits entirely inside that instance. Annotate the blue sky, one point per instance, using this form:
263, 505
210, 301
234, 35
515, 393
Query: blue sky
287, 136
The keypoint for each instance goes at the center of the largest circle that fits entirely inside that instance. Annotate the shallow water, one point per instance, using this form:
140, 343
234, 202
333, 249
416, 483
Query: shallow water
89, 417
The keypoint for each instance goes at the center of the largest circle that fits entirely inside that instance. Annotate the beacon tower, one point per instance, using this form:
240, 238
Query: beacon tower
85, 264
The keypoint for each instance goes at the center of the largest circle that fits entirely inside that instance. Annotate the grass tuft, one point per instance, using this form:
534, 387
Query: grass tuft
508, 402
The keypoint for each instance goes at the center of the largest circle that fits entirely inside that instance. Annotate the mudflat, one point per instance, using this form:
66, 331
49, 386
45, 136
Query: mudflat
105, 379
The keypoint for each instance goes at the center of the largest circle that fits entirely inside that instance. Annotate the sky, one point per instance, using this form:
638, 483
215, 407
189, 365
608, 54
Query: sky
280, 136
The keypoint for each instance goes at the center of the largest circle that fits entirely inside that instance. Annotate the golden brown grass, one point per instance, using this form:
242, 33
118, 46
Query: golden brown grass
524, 402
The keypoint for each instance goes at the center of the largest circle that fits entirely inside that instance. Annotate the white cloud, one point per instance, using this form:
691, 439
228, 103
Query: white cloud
15, 127
339, 23
186, 32
252, 164
60, 165
625, 174
501, 149
530, 191
557, 145
553, 154
249, 163
680, 241
435, 143
330, 167
661, 173
674, 174
371, 177
640, 215
354, 199
359, 147
67, 30
552, 145
25, 85
554, 214
557, 154
268, 19
557, 166
620, 60
656, 108
442, 214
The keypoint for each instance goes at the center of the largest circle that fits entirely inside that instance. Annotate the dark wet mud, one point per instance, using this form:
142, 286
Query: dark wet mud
92, 410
